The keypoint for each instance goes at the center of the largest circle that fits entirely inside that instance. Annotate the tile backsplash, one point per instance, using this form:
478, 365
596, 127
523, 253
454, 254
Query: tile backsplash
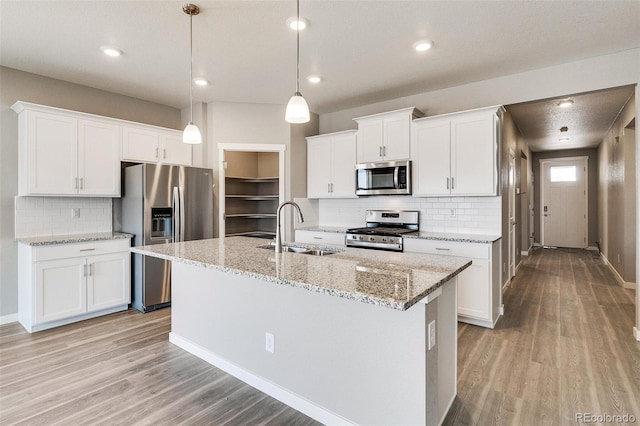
468, 215
49, 216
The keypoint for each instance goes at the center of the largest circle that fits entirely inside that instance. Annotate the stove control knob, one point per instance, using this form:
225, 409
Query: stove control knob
384, 240
361, 238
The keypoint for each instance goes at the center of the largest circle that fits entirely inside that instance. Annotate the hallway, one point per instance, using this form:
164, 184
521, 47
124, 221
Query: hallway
564, 346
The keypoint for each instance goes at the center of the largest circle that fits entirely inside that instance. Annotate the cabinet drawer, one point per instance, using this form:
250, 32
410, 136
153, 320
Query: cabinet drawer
90, 248
315, 237
447, 248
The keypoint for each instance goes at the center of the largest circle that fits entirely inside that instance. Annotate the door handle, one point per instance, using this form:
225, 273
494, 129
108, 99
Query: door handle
384, 151
81, 183
380, 151
176, 216
75, 183
164, 153
447, 183
453, 185
156, 153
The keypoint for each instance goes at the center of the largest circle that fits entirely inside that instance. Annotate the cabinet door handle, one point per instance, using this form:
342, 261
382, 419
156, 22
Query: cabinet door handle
453, 185
89, 249
331, 187
81, 183
328, 187
164, 153
447, 183
317, 238
380, 151
384, 151
84, 270
443, 249
75, 183
156, 152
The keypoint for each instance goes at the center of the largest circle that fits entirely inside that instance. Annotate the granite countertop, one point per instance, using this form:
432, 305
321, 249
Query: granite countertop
73, 238
333, 229
388, 279
462, 238
424, 235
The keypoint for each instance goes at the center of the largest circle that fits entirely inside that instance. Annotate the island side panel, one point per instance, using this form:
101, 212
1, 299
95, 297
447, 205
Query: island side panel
364, 363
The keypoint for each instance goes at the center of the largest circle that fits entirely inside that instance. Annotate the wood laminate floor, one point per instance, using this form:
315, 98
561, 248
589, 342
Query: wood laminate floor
564, 346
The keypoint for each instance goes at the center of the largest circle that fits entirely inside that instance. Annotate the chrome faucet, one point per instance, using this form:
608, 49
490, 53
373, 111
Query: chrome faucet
278, 246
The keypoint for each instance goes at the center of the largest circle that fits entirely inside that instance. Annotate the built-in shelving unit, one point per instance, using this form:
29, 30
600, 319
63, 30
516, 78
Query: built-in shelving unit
251, 194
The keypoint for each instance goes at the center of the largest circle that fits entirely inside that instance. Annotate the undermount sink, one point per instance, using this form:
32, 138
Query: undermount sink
303, 250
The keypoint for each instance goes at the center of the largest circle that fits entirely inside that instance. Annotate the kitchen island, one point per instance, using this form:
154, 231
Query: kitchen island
343, 338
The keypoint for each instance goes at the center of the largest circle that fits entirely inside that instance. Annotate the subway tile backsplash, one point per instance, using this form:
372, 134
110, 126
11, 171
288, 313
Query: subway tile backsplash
49, 216
468, 215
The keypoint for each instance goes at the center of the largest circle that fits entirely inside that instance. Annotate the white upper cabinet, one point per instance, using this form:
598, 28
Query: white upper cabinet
140, 144
173, 150
149, 145
457, 154
331, 160
63, 155
48, 154
386, 136
98, 158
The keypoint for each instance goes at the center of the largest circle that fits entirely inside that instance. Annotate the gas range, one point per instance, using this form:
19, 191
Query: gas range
384, 229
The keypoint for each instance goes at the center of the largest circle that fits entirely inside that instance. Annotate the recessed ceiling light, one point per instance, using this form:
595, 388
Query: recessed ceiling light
565, 103
111, 51
423, 45
296, 24
563, 140
200, 82
314, 79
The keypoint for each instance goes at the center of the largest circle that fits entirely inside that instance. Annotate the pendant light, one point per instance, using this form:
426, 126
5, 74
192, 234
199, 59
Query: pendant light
297, 108
191, 133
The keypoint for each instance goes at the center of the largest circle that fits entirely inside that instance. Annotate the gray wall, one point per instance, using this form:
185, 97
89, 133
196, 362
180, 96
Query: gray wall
618, 201
17, 85
592, 184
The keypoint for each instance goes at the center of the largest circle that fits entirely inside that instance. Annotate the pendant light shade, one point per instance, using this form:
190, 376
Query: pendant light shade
297, 108
191, 133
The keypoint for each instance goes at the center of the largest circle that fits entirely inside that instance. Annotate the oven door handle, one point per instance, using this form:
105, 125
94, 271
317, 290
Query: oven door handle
396, 172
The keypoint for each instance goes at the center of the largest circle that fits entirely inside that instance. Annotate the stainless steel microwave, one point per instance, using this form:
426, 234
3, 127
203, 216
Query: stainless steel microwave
384, 178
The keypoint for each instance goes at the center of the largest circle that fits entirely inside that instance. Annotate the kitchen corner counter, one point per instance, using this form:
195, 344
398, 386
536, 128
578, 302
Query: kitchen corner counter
73, 238
461, 238
392, 280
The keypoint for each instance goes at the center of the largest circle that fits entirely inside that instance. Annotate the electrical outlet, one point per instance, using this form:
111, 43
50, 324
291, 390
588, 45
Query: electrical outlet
75, 213
269, 342
432, 335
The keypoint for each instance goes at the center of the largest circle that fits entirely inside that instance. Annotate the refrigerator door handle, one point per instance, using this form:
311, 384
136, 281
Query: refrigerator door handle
176, 214
181, 192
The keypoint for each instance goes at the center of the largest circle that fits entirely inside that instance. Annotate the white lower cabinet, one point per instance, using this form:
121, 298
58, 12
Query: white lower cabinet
320, 237
65, 283
479, 292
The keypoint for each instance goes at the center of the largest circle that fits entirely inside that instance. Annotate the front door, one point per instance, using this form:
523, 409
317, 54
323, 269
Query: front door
564, 202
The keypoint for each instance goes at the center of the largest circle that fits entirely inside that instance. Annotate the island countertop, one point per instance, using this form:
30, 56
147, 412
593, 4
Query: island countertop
388, 279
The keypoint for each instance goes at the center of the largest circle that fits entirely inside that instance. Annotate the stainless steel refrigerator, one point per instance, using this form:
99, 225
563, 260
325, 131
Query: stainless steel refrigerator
163, 204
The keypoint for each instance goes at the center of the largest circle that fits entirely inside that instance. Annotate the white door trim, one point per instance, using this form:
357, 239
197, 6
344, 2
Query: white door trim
585, 160
511, 232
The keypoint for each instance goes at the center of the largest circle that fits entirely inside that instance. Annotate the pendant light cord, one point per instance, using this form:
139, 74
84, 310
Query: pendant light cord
298, 47
191, 64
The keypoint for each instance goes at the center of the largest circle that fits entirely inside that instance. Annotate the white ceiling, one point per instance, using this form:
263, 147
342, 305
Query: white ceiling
362, 49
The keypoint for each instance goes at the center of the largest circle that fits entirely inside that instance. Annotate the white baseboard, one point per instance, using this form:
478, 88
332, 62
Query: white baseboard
281, 394
636, 333
593, 248
8, 319
524, 253
621, 282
